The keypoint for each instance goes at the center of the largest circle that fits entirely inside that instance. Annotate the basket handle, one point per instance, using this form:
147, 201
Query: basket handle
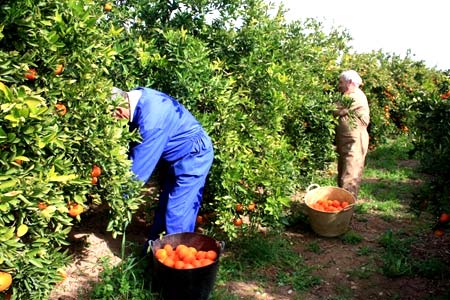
221, 245
312, 186
349, 206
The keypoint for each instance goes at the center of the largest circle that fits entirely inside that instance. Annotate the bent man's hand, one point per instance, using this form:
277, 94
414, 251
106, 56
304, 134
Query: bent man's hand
122, 113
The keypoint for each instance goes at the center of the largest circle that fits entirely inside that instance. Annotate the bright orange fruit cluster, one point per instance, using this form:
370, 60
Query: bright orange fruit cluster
184, 257
329, 205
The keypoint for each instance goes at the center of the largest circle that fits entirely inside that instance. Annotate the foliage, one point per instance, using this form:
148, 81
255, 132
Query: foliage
47, 154
263, 89
128, 280
432, 142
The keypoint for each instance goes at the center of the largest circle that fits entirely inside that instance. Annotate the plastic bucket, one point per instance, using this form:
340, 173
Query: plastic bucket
192, 284
329, 224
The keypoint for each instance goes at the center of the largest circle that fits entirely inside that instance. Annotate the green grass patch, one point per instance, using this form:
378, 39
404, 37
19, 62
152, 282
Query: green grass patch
270, 257
351, 237
398, 260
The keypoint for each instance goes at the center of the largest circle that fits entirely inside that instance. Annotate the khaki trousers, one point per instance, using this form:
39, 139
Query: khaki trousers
352, 141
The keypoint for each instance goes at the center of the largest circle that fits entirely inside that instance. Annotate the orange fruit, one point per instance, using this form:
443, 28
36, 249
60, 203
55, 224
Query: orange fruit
179, 264
205, 262
31, 74
336, 203
193, 250
200, 220
211, 254
196, 263
344, 204
239, 207
444, 218
251, 206
94, 180
63, 275
439, 232
61, 109
184, 252
42, 205
59, 69
75, 209
96, 171
5, 281
179, 247
161, 254
108, 7
237, 222
169, 249
200, 255
169, 261
189, 258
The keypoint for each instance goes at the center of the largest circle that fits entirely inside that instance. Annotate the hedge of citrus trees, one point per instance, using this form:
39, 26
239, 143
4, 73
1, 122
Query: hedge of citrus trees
263, 88
56, 124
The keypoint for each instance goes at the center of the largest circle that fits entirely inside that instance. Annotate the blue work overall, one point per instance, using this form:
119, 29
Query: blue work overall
171, 135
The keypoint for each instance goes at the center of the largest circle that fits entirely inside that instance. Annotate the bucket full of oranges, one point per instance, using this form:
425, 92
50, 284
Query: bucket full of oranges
329, 209
185, 265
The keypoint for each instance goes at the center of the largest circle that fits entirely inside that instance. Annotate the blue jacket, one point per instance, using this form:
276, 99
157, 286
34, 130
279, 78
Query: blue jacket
167, 128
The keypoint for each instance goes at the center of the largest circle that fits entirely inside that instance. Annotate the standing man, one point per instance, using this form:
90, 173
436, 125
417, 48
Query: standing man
172, 137
352, 138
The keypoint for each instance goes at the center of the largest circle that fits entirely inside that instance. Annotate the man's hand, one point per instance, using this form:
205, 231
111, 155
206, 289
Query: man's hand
122, 113
340, 112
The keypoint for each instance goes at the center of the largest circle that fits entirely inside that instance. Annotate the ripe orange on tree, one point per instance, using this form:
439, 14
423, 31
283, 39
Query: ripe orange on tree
239, 208
61, 109
31, 74
59, 69
108, 7
200, 220
444, 218
63, 275
5, 281
75, 209
94, 180
96, 171
42, 205
251, 206
237, 222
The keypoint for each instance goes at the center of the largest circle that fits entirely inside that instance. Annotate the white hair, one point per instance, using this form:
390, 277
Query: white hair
116, 92
351, 75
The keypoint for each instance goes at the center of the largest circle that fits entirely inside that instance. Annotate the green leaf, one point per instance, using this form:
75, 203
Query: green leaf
8, 184
35, 262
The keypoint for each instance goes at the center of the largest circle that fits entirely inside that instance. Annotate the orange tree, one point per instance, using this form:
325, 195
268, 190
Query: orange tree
432, 142
56, 123
258, 85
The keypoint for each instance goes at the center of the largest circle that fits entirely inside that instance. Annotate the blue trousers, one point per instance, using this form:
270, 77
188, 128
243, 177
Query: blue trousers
182, 190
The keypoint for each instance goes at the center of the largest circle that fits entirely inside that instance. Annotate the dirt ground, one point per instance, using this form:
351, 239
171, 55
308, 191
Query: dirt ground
344, 273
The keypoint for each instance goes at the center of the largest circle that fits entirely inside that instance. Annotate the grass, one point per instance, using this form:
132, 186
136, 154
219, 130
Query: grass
266, 259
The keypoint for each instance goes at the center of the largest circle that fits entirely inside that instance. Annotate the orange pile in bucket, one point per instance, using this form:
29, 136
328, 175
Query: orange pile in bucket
329, 205
184, 257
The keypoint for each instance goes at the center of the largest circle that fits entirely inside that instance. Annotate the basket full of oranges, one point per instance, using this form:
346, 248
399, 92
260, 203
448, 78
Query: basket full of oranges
185, 265
329, 209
